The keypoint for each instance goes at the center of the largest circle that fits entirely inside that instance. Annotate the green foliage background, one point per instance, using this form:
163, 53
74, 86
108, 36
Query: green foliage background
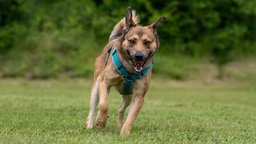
50, 38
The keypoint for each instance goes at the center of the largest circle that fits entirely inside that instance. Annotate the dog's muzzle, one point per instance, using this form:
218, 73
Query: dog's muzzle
138, 59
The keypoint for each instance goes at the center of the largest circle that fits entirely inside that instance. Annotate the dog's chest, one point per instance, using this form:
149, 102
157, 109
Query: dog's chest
116, 80
119, 83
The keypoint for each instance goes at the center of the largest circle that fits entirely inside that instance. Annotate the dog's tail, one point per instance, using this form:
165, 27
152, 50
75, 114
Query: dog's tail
120, 26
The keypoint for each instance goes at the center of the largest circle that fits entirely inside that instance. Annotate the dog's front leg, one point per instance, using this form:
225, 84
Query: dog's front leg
133, 113
103, 105
126, 102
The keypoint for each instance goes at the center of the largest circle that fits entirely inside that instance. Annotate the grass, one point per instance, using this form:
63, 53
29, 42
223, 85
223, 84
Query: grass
174, 112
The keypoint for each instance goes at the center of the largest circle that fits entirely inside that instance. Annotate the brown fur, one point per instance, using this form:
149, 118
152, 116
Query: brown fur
136, 46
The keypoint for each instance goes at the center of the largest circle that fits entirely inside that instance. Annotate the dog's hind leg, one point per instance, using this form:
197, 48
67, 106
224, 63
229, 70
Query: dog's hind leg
126, 102
94, 100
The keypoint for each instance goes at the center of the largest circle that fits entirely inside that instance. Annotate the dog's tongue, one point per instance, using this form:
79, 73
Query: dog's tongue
138, 65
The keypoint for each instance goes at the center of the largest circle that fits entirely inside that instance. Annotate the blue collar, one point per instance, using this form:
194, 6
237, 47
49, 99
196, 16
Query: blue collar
129, 78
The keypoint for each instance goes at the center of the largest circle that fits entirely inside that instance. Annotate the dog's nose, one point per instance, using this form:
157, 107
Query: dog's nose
138, 56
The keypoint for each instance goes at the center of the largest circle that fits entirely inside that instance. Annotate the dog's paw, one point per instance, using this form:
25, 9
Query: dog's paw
101, 120
125, 131
89, 124
100, 124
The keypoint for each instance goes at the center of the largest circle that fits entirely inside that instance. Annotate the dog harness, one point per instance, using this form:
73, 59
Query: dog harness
129, 78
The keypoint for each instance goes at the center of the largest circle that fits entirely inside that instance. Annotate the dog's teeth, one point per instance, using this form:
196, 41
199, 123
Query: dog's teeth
138, 65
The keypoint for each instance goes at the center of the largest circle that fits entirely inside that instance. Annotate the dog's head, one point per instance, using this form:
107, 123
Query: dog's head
139, 43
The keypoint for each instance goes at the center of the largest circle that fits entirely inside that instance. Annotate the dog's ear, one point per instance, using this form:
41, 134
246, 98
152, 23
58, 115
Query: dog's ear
154, 25
128, 19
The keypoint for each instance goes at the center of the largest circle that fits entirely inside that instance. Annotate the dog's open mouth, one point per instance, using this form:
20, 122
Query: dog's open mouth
138, 65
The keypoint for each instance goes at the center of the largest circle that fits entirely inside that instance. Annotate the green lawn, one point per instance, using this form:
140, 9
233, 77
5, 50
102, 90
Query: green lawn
174, 112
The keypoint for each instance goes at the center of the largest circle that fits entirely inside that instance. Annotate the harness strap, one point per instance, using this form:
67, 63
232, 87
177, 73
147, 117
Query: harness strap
106, 61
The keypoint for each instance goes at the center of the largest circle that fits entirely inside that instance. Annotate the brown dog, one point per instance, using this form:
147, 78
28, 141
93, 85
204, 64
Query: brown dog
125, 63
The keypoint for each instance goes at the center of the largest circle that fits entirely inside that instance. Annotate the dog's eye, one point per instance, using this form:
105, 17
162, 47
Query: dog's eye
132, 41
146, 42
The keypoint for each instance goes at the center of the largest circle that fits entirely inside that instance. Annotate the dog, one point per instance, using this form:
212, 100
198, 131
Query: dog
125, 63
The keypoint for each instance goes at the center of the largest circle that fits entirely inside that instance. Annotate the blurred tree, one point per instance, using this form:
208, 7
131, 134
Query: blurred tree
68, 32
11, 18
